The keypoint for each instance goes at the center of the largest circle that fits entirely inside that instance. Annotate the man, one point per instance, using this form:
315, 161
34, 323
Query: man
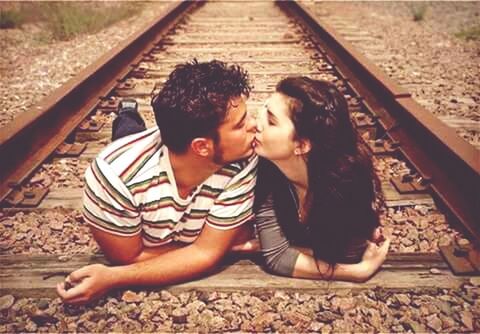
166, 204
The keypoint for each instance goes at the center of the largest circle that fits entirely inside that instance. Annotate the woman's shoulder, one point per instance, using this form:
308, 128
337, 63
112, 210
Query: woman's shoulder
269, 180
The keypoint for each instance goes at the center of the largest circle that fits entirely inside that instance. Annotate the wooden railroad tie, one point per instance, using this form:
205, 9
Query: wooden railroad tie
37, 275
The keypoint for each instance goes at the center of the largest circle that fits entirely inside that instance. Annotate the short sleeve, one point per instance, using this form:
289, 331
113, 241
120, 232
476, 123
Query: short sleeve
234, 205
107, 203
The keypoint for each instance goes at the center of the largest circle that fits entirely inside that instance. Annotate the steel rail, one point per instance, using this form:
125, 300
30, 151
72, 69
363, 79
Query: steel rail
34, 135
435, 150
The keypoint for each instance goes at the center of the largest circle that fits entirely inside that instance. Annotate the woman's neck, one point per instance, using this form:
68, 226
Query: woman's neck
295, 169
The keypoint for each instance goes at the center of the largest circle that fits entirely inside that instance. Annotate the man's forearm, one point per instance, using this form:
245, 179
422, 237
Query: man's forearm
148, 253
175, 266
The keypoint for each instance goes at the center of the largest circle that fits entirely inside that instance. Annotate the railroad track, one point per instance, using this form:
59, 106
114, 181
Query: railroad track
429, 175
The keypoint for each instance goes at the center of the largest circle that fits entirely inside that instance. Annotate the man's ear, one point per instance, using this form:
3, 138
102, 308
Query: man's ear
202, 146
302, 146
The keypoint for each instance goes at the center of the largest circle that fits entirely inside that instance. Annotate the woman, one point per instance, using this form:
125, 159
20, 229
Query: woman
315, 186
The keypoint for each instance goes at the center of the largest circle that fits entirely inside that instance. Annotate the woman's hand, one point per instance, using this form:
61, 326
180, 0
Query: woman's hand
86, 284
373, 257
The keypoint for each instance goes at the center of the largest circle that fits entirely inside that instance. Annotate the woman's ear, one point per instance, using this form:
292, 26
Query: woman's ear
202, 146
302, 146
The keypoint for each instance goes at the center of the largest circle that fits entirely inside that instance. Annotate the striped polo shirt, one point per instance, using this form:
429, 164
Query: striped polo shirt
130, 189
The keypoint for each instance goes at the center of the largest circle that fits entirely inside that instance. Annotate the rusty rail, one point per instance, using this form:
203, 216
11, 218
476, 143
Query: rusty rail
33, 136
451, 164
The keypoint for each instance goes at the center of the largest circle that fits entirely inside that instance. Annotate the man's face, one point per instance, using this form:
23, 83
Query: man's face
236, 133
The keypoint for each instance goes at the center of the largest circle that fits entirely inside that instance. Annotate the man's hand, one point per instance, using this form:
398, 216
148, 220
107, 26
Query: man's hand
86, 284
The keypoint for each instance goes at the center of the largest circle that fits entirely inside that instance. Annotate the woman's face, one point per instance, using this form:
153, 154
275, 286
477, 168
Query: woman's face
274, 139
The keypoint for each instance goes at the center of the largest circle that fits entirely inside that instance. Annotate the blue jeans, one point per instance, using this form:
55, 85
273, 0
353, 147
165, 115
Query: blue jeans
127, 123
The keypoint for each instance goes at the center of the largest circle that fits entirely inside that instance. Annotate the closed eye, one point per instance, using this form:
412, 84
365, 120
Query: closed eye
272, 119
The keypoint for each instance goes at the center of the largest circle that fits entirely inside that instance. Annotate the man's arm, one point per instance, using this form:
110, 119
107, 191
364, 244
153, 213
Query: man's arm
122, 250
180, 264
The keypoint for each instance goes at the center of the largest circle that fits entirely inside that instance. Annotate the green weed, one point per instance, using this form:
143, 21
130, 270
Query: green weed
470, 34
10, 18
418, 10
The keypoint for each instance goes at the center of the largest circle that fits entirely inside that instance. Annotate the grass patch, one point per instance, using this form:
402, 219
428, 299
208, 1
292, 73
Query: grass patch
65, 20
10, 18
418, 11
470, 34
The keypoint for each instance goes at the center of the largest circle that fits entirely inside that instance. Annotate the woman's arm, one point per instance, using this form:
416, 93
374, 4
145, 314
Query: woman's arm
283, 259
372, 259
280, 257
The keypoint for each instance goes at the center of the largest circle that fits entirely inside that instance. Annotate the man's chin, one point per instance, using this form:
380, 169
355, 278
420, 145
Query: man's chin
246, 155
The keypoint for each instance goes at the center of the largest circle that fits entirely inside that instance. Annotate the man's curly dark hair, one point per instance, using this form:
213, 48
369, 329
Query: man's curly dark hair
194, 101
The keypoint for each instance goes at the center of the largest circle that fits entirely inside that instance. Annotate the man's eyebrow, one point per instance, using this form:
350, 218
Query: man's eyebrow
241, 120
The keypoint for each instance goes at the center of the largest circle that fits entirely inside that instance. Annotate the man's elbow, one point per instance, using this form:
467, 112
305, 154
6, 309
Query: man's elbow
119, 259
208, 261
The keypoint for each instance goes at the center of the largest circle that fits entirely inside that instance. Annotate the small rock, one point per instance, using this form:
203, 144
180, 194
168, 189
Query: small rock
297, 318
6, 245
435, 271
327, 316
195, 306
20, 304
475, 281
6, 302
343, 304
447, 321
31, 327
403, 299
165, 296
179, 316
41, 318
64, 258
374, 318
262, 294
43, 304
157, 319
56, 225
424, 246
131, 297
434, 323
414, 326
467, 319
82, 239
316, 326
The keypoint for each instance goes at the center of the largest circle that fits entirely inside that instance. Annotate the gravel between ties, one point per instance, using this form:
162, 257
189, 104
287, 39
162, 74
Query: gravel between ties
421, 310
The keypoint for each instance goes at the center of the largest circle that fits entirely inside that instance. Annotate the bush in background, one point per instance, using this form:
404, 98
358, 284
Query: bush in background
418, 10
65, 20
470, 34
10, 18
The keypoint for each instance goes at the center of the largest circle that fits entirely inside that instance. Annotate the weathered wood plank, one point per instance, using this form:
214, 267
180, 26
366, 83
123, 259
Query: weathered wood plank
69, 198
36, 276
394, 198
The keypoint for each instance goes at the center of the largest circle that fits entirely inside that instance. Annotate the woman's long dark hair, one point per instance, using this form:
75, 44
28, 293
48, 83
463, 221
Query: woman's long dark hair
342, 183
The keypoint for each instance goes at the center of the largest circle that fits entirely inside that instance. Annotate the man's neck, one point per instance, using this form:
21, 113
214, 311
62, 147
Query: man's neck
190, 171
